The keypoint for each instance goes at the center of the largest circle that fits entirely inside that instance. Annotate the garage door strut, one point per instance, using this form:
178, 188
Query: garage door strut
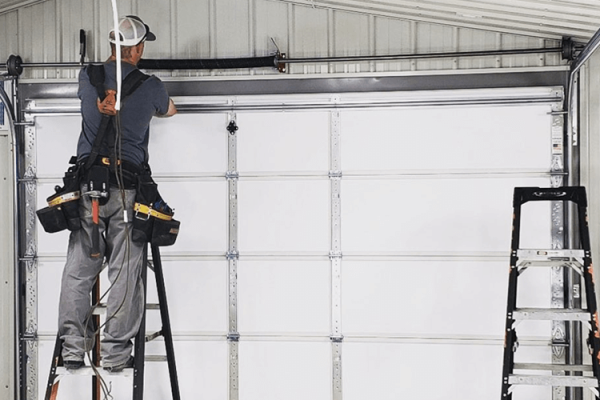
57, 369
580, 260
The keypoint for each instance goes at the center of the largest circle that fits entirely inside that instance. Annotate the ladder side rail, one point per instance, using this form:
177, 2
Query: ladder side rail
166, 324
590, 291
96, 383
510, 336
52, 387
140, 340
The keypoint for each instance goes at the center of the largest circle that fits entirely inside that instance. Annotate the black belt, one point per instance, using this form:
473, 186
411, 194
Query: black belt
130, 170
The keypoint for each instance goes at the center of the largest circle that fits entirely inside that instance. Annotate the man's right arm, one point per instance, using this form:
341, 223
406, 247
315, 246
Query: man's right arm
172, 110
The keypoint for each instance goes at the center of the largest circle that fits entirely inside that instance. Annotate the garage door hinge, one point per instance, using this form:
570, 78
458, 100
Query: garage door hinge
337, 339
25, 123
232, 175
29, 336
335, 174
233, 336
232, 255
335, 254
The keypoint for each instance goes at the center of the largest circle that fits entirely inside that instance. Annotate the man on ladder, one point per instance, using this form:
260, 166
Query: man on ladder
112, 160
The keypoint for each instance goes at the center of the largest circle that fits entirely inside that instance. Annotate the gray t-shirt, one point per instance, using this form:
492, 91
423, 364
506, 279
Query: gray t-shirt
150, 98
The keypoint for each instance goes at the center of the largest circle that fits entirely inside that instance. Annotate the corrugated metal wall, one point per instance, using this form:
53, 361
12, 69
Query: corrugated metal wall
49, 31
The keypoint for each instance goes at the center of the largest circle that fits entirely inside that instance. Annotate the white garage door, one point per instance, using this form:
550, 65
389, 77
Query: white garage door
357, 243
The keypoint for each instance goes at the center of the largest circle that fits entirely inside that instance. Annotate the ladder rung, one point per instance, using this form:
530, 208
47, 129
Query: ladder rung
549, 263
88, 371
553, 380
100, 309
552, 367
155, 358
551, 314
554, 254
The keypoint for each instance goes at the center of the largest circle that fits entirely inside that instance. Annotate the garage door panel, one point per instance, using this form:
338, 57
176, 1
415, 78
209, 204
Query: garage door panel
284, 296
207, 366
283, 141
50, 275
454, 298
390, 371
283, 216
436, 215
53, 159
210, 372
197, 295
290, 370
189, 144
201, 206
463, 138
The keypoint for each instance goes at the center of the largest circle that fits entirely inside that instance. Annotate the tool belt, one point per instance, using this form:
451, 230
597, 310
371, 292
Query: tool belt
153, 220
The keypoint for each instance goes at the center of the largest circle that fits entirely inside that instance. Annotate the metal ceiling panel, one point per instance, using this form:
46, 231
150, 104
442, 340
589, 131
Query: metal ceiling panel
8, 5
548, 19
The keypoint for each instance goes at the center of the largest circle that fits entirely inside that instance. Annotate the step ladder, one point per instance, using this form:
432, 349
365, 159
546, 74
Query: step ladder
57, 370
578, 259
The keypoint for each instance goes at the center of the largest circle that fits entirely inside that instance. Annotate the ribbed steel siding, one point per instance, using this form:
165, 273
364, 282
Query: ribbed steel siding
49, 31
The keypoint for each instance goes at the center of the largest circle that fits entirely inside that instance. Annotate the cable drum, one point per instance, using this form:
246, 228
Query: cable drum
14, 65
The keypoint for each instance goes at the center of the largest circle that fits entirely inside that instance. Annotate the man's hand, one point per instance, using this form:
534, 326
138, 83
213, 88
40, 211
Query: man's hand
107, 106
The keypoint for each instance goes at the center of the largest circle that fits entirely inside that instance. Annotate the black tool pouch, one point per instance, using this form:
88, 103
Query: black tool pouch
153, 219
63, 206
164, 232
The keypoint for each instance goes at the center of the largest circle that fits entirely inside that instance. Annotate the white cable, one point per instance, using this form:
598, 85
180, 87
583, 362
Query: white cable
118, 51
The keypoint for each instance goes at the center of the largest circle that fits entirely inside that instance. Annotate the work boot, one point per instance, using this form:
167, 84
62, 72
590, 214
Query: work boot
73, 364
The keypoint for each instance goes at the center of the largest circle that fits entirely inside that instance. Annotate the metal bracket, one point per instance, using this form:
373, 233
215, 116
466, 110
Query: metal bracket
233, 336
337, 339
232, 255
335, 174
335, 254
232, 127
232, 175
29, 336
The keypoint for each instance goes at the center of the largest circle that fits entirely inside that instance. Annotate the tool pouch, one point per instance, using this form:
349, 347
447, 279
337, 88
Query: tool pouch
63, 206
153, 219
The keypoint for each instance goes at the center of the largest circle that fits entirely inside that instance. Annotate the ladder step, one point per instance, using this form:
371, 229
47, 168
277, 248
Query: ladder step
555, 254
88, 371
553, 380
553, 367
100, 309
551, 314
155, 358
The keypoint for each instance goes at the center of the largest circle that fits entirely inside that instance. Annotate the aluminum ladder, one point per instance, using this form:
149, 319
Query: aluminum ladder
57, 370
578, 259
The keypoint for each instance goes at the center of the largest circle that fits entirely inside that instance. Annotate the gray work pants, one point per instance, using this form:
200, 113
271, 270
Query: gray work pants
125, 302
